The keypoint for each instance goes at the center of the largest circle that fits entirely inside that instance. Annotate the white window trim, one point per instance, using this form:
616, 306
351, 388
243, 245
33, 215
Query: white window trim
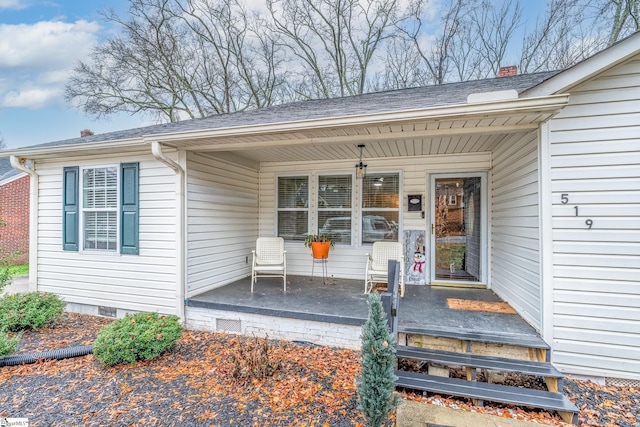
82, 209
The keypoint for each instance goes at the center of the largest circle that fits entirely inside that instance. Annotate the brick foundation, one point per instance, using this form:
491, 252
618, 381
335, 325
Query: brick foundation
249, 324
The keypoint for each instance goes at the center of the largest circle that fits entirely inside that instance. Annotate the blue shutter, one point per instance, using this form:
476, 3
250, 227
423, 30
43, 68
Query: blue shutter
129, 228
70, 209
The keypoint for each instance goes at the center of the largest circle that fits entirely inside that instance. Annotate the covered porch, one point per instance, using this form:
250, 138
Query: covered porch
271, 175
342, 302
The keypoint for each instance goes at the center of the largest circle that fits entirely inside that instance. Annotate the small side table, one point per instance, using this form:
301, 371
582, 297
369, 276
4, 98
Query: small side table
323, 263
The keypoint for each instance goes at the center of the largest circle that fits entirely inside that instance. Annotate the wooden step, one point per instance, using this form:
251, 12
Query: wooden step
491, 392
536, 343
551, 375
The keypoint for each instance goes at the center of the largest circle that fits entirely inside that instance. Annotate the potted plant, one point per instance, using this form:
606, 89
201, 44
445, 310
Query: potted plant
319, 244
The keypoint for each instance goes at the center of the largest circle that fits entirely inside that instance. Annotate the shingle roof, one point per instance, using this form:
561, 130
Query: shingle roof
7, 171
378, 102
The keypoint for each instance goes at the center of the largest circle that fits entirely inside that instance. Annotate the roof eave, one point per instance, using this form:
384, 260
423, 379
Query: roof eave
547, 103
123, 145
551, 103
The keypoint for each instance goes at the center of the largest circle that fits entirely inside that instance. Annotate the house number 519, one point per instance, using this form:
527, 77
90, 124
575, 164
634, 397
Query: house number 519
564, 199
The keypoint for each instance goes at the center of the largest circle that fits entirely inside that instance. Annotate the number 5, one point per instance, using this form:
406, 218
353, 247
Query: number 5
564, 198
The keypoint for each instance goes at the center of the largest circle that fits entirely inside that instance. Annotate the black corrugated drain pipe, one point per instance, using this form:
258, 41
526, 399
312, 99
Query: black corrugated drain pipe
63, 353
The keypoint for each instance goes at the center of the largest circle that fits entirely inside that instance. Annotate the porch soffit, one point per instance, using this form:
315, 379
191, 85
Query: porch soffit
411, 138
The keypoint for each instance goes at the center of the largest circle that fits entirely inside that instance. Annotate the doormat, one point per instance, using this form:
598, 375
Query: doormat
471, 305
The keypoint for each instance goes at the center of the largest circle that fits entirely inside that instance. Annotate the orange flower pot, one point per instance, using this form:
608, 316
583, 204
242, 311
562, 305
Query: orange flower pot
320, 250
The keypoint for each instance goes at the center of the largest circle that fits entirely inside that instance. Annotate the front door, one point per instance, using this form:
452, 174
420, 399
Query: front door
458, 229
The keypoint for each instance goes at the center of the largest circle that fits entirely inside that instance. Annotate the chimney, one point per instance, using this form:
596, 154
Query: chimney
85, 132
511, 70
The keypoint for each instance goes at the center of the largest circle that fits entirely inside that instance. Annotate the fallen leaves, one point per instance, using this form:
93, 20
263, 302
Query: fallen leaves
193, 384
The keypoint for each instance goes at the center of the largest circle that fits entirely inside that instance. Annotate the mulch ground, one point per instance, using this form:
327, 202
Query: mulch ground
193, 385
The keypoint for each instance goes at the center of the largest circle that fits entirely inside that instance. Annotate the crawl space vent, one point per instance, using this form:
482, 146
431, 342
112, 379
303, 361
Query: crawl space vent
622, 382
229, 325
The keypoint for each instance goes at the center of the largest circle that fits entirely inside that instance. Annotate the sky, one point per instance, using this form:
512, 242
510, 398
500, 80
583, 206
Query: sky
40, 42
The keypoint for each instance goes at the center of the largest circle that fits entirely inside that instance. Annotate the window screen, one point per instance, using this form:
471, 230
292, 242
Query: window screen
380, 207
293, 207
100, 208
335, 207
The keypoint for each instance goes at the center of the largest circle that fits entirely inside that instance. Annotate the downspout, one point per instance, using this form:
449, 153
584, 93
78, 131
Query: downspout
156, 150
21, 165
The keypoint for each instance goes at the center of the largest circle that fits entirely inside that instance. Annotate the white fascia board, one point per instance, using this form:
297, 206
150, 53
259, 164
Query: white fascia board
121, 145
546, 103
582, 71
483, 109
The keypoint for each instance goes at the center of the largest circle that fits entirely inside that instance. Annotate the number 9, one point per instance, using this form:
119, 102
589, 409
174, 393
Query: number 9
589, 223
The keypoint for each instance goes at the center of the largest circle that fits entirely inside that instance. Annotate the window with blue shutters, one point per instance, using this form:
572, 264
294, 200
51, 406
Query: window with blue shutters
101, 208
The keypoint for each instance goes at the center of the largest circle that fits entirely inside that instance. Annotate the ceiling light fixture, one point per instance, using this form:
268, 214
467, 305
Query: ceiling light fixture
361, 168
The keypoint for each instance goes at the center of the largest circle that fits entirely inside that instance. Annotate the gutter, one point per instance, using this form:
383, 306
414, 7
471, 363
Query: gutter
156, 150
472, 110
21, 165
479, 109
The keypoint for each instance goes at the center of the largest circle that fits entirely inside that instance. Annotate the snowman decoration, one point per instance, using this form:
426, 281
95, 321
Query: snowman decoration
417, 270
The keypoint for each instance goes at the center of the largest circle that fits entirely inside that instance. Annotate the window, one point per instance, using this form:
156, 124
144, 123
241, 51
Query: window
104, 200
293, 207
335, 207
380, 207
100, 208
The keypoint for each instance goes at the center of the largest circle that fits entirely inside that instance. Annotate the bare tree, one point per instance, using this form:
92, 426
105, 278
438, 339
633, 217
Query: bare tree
333, 41
494, 28
620, 17
432, 54
557, 40
3, 144
178, 59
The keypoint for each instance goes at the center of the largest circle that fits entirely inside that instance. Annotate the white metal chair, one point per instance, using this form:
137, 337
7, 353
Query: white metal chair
269, 260
378, 264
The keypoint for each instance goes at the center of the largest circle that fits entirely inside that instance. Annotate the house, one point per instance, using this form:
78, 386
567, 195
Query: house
14, 211
544, 169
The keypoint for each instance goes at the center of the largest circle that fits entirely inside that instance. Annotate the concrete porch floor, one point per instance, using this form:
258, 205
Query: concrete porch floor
342, 301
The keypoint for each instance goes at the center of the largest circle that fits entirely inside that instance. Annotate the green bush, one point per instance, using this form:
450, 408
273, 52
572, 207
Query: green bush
141, 336
30, 310
8, 345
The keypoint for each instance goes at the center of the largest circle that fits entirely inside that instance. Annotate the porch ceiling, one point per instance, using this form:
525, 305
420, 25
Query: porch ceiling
417, 138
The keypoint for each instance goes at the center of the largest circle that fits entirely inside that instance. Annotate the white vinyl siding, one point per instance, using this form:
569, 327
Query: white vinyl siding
595, 161
222, 222
515, 234
349, 261
144, 282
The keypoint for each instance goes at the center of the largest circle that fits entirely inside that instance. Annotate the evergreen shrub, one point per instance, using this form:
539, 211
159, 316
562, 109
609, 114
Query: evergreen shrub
29, 310
8, 345
376, 382
141, 336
